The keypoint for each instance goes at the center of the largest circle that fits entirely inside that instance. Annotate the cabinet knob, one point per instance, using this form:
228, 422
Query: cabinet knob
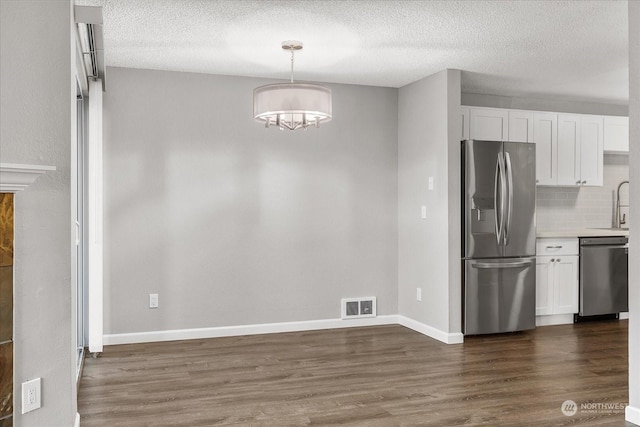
578, 182
584, 182
553, 260
558, 260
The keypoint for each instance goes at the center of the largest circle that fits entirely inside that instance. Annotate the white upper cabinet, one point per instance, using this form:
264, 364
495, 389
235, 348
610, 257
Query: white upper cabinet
489, 124
591, 150
545, 131
616, 134
464, 116
568, 149
520, 126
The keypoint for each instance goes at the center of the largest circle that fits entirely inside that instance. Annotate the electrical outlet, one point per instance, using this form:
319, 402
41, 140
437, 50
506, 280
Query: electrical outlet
419, 294
153, 300
31, 392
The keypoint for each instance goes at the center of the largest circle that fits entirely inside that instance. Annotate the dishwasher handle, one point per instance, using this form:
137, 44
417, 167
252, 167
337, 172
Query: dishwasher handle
604, 241
625, 246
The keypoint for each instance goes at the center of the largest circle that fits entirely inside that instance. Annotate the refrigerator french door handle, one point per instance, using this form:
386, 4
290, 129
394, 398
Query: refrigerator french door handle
498, 213
509, 176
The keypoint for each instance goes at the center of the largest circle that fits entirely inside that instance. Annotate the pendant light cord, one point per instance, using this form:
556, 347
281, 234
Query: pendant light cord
292, 65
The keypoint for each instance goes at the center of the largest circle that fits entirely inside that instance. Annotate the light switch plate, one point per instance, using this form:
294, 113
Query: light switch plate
430, 183
419, 294
31, 392
153, 300
423, 212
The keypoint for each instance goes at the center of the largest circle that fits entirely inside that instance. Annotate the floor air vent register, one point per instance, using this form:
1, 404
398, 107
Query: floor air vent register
358, 307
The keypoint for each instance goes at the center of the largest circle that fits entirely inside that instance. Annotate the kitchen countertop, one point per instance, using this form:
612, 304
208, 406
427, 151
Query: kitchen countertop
583, 232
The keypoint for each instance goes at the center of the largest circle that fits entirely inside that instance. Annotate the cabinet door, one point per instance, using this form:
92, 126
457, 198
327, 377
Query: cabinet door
568, 149
591, 150
616, 134
565, 299
520, 126
545, 133
464, 116
490, 124
544, 285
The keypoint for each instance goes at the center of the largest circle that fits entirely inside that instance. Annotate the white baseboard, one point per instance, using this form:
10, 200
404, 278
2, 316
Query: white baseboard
77, 422
272, 328
430, 331
632, 414
624, 315
230, 331
554, 319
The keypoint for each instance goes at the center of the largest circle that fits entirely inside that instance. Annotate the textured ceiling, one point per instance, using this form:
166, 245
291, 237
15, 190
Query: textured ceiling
565, 49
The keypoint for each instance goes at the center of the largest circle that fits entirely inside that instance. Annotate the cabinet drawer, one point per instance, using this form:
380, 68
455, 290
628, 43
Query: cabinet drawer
567, 246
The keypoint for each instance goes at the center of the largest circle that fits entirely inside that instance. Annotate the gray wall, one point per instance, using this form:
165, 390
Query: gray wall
585, 207
542, 104
36, 128
429, 249
235, 224
634, 172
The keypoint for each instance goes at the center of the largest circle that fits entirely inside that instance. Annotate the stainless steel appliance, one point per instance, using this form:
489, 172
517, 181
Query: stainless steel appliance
604, 275
499, 236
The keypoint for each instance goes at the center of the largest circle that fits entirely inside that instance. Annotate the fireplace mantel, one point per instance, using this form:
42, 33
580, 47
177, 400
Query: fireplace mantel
16, 177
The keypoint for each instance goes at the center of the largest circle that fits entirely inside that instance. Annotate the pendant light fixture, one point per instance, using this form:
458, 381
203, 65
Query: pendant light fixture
292, 105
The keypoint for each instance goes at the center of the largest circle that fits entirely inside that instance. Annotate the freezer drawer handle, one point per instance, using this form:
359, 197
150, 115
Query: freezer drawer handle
501, 265
554, 247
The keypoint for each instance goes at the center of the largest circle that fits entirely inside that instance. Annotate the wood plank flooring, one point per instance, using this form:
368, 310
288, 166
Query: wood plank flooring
370, 376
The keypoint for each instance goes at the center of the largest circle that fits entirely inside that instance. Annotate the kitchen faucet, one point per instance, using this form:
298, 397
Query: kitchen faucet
619, 222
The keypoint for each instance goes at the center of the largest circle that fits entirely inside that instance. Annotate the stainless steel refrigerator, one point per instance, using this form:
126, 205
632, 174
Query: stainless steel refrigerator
499, 236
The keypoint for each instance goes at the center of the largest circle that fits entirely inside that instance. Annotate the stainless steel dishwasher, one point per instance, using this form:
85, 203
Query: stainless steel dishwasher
604, 275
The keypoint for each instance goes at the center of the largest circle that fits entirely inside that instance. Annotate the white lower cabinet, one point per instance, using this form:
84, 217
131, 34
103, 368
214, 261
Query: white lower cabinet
544, 285
557, 285
557, 277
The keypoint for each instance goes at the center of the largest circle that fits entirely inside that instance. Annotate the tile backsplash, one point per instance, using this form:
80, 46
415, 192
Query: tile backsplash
559, 208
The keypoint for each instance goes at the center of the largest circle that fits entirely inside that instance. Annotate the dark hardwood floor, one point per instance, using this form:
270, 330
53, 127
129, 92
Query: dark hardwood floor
370, 376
